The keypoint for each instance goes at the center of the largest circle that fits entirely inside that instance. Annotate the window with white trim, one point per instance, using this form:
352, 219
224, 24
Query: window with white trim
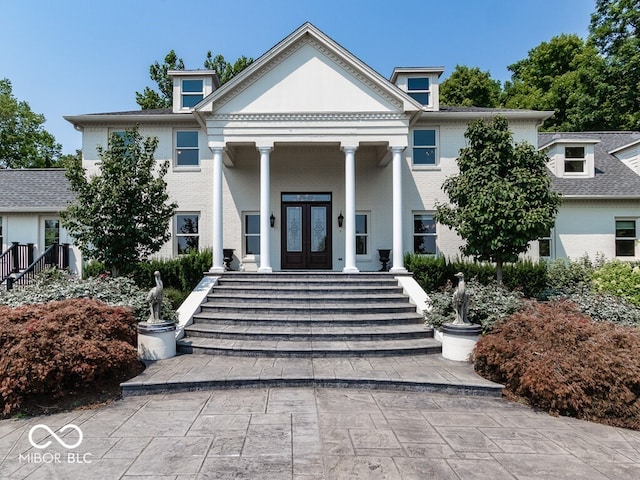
187, 234
626, 236
51, 232
544, 245
419, 89
252, 234
192, 92
425, 147
187, 148
574, 160
362, 234
424, 234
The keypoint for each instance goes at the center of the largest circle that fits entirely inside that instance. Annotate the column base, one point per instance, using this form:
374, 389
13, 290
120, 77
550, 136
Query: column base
265, 270
350, 270
398, 270
216, 269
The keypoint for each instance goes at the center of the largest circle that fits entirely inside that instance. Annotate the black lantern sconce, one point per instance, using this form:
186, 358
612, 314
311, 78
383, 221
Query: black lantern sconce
340, 220
272, 220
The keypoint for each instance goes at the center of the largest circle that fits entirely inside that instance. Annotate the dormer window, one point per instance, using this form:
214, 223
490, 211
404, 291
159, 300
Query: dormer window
418, 89
192, 92
574, 160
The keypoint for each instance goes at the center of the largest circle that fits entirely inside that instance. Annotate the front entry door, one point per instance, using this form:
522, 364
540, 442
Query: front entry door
306, 236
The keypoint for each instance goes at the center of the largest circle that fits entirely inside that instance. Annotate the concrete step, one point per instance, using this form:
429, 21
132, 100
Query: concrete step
306, 318
290, 308
309, 332
305, 297
312, 348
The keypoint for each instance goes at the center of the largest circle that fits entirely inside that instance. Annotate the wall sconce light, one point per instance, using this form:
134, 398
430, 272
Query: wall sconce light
340, 220
272, 220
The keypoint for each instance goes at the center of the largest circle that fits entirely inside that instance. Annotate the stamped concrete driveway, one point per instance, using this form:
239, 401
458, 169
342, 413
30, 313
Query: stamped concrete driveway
307, 433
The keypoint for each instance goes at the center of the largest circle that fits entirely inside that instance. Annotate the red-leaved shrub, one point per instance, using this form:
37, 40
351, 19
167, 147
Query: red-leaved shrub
562, 362
62, 347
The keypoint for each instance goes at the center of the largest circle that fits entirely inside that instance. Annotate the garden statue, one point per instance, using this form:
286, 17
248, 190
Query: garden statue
154, 298
461, 301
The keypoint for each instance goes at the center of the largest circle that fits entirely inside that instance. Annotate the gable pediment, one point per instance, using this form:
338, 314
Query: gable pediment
307, 73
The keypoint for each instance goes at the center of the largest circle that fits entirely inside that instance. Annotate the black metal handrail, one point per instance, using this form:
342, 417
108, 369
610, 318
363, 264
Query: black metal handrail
15, 258
54, 256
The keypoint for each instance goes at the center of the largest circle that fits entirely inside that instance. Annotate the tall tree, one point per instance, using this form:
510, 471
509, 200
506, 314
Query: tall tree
163, 97
225, 70
149, 98
120, 216
24, 143
470, 87
502, 199
615, 31
562, 75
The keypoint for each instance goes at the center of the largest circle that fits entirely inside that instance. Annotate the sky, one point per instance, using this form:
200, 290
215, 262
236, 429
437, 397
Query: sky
70, 57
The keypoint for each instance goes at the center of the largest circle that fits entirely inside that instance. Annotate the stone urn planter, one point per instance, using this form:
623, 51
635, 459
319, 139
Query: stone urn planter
458, 341
156, 341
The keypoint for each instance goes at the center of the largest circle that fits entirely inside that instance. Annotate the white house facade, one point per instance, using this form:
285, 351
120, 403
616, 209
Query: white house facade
306, 160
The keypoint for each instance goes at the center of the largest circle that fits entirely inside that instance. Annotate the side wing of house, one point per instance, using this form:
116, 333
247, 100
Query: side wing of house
598, 175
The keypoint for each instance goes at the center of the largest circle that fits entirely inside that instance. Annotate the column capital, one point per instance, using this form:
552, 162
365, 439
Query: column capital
349, 148
265, 148
398, 148
216, 146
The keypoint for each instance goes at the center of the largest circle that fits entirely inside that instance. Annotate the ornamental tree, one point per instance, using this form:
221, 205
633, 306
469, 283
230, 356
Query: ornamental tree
502, 199
120, 216
24, 143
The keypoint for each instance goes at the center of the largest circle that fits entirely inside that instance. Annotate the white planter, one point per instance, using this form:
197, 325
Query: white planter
156, 341
458, 341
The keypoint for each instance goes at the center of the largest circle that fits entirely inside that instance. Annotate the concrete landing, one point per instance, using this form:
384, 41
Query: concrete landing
404, 372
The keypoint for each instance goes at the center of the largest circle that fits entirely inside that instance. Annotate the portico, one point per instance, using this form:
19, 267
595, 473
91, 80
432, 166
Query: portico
295, 198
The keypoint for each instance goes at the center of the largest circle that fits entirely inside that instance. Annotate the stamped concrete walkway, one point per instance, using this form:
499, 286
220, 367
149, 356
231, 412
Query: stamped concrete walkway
309, 434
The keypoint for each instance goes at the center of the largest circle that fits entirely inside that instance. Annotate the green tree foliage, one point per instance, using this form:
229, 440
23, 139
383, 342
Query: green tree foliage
470, 87
149, 98
225, 70
24, 143
615, 31
122, 215
562, 75
163, 97
502, 198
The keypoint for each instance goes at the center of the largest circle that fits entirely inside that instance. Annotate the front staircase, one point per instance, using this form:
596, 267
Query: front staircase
308, 315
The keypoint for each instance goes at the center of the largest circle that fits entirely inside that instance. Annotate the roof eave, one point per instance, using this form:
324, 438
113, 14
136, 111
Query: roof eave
109, 118
516, 115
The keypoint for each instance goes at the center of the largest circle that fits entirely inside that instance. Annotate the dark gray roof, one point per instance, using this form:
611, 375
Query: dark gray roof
612, 177
149, 111
34, 190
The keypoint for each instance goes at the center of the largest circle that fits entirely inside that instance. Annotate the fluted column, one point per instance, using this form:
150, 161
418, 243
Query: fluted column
350, 210
265, 211
398, 250
218, 265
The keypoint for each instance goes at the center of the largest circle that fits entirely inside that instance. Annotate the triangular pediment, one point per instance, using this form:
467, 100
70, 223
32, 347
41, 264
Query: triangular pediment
307, 72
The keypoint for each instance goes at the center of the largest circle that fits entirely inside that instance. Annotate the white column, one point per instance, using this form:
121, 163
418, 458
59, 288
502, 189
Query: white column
398, 250
265, 211
350, 210
218, 265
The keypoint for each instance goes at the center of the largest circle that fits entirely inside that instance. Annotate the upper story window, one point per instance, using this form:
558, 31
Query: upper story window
187, 149
574, 160
419, 89
192, 92
424, 147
